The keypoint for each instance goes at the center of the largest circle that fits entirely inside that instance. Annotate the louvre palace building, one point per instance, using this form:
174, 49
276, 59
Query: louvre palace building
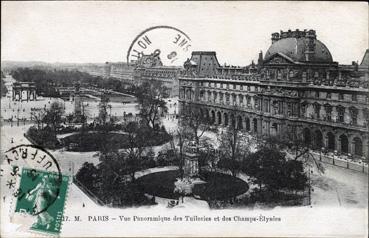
295, 88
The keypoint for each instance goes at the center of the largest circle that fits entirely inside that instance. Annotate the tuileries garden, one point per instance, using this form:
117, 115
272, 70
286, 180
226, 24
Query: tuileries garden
141, 161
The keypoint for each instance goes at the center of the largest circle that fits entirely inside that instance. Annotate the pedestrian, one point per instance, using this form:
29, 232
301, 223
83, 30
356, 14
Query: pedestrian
83, 204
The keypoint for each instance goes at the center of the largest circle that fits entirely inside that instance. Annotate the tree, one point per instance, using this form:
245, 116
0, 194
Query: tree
136, 145
150, 97
196, 122
87, 174
38, 116
103, 110
234, 146
112, 167
208, 156
53, 117
270, 167
297, 147
4, 89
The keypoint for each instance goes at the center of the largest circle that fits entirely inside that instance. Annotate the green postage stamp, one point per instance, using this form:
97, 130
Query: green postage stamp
42, 195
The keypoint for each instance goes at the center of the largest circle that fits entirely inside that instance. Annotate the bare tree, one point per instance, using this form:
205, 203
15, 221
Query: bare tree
196, 122
150, 96
135, 147
38, 116
182, 136
234, 146
103, 110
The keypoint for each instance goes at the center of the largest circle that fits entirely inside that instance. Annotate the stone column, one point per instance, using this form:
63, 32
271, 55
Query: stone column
347, 116
325, 140
351, 145
360, 117
260, 126
366, 148
322, 112
334, 114
338, 143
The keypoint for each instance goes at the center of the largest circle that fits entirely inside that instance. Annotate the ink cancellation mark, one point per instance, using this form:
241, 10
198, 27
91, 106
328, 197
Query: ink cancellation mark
166, 44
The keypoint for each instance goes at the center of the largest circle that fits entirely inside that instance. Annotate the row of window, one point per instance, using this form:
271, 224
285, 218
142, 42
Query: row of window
229, 86
339, 96
280, 74
340, 113
213, 97
315, 94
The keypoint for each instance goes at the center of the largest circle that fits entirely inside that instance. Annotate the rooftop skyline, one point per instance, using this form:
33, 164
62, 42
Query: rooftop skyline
88, 32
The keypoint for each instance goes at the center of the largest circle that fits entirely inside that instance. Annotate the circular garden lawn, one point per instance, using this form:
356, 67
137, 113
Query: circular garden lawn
218, 186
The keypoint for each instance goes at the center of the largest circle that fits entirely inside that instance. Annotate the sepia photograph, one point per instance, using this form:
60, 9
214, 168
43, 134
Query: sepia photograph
184, 119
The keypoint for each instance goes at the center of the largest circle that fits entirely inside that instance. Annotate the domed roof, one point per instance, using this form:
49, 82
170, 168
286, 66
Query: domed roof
295, 49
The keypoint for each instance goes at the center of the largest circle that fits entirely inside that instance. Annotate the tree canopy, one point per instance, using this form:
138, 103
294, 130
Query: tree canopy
269, 167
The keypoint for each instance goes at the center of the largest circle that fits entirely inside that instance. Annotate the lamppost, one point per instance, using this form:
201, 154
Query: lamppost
18, 116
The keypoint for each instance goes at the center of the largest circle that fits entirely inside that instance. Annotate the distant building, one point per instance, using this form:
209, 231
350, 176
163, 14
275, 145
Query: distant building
118, 70
150, 68
296, 87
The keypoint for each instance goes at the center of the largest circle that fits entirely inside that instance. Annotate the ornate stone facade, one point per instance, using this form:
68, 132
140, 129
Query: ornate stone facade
296, 87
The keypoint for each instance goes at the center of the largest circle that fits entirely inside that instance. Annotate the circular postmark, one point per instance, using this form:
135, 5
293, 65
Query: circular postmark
32, 176
159, 45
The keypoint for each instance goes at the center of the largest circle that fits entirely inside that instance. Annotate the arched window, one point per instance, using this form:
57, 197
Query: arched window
255, 122
274, 131
202, 95
328, 112
225, 119
341, 114
241, 99
318, 139
247, 124
344, 143
240, 125
358, 146
219, 118
279, 74
331, 141
353, 114
307, 136
291, 74
317, 110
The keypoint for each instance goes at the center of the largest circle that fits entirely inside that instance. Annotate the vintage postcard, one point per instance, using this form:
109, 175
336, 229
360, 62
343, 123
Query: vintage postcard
184, 119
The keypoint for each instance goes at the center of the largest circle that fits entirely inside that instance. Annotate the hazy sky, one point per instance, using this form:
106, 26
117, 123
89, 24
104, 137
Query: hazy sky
237, 31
